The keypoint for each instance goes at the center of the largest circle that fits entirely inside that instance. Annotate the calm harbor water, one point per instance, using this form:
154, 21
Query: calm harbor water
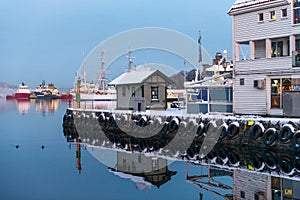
39, 163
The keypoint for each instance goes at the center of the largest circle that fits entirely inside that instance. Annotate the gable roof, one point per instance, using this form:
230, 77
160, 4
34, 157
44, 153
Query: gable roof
137, 76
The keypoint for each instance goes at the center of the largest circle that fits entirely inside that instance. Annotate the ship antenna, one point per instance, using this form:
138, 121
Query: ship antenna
102, 70
184, 73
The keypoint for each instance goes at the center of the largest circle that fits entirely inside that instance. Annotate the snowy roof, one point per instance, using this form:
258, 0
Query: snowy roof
134, 77
245, 3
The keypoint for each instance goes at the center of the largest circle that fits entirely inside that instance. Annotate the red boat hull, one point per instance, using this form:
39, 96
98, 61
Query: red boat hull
18, 96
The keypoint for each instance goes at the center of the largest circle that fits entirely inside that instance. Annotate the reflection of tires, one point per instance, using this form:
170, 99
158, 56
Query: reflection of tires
191, 152
256, 131
296, 140
223, 131
233, 158
270, 160
285, 133
296, 163
270, 136
285, 165
233, 129
221, 152
256, 162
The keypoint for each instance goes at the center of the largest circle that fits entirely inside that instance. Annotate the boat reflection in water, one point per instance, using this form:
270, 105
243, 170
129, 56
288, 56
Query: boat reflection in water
228, 171
41, 105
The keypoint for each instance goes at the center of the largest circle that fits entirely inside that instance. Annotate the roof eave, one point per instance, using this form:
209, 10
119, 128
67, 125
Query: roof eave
255, 7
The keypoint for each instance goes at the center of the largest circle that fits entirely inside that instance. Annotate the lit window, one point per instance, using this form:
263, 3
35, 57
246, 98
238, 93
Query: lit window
260, 17
272, 14
284, 12
154, 93
277, 49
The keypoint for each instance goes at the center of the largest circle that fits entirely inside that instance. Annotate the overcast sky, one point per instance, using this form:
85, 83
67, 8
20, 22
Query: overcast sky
45, 39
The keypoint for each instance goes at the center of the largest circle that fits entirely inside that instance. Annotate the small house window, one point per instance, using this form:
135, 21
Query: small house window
154, 93
260, 17
242, 81
284, 13
123, 91
243, 194
133, 92
272, 15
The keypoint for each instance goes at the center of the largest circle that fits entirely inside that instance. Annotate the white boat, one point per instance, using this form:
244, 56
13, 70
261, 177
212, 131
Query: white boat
89, 91
214, 92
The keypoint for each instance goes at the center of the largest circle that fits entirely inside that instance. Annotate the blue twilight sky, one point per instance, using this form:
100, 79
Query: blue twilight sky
45, 39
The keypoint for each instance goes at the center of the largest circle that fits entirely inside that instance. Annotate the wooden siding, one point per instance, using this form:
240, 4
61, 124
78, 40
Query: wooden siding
247, 27
251, 183
264, 65
247, 99
123, 102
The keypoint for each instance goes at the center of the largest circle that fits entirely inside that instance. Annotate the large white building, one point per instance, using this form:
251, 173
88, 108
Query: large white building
266, 41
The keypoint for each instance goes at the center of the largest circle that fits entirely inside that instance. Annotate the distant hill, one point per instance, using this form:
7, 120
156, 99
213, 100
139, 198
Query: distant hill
178, 78
4, 85
6, 88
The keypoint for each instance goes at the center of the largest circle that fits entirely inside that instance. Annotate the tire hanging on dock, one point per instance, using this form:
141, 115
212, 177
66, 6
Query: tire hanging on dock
256, 131
270, 136
174, 124
223, 131
296, 140
233, 129
286, 133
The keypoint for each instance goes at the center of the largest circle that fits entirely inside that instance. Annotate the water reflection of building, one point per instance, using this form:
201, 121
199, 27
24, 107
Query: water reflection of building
211, 181
152, 170
246, 184
249, 185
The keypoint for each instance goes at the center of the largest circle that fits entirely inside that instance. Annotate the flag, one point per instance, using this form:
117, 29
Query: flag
199, 44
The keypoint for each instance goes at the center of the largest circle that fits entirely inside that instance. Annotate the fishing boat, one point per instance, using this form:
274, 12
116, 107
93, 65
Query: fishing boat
23, 92
48, 92
213, 91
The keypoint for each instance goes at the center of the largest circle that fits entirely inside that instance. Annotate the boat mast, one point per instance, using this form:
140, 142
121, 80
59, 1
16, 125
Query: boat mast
102, 83
130, 59
84, 71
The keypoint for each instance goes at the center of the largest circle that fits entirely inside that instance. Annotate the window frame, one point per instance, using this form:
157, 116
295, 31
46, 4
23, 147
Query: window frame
284, 13
261, 17
154, 93
272, 15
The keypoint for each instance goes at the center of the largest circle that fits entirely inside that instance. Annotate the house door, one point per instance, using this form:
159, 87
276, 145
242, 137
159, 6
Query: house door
139, 107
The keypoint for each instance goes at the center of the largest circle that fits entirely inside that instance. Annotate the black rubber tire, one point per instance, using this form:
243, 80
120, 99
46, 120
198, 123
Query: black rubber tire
256, 131
270, 136
232, 130
296, 140
200, 130
285, 134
